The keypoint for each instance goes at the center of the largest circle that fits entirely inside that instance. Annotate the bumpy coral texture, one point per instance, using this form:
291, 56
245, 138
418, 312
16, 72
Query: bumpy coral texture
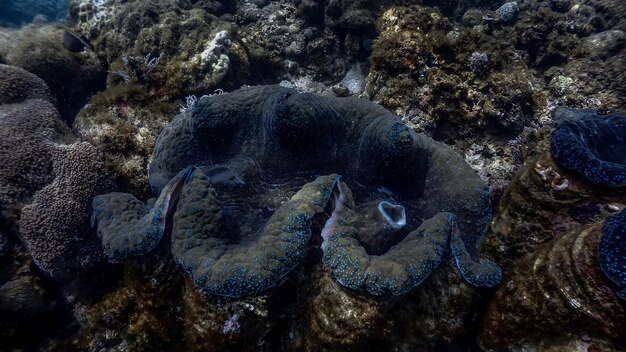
61, 179
55, 226
18, 84
25, 168
612, 250
591, 144
253, 148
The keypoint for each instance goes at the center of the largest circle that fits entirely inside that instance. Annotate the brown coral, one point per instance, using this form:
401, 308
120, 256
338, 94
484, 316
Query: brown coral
55, 226
33, 154
18, 84
30, 125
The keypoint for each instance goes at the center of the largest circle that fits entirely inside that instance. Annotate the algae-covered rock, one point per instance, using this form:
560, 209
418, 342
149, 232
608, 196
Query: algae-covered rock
169, 49
71, 76
464, 79
123, 122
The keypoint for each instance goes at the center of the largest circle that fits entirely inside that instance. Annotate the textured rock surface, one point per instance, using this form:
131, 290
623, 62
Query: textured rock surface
123, 122
148, 44
420, 61
546, 231
72, 77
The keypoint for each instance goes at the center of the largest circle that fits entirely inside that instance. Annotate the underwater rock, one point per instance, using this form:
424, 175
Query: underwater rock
465, 79
123, 122
542, 202
558, 290
602, 45
354, 80
71, 76
148, 45
22, 296
592, 145
597, 71
546, 233
296, 132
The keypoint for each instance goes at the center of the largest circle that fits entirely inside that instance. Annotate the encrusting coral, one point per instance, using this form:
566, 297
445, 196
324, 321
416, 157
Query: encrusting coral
241, 143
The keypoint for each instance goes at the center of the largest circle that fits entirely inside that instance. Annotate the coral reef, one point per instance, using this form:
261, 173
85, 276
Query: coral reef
590, 144
302, 128
18, 85
123, 122
252, 240
423, 61
420, 61
152, 65
193, 53
557, 289
55, 225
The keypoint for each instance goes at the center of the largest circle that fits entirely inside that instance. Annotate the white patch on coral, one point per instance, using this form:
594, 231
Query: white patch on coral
214, 58
488, 162
354, 79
